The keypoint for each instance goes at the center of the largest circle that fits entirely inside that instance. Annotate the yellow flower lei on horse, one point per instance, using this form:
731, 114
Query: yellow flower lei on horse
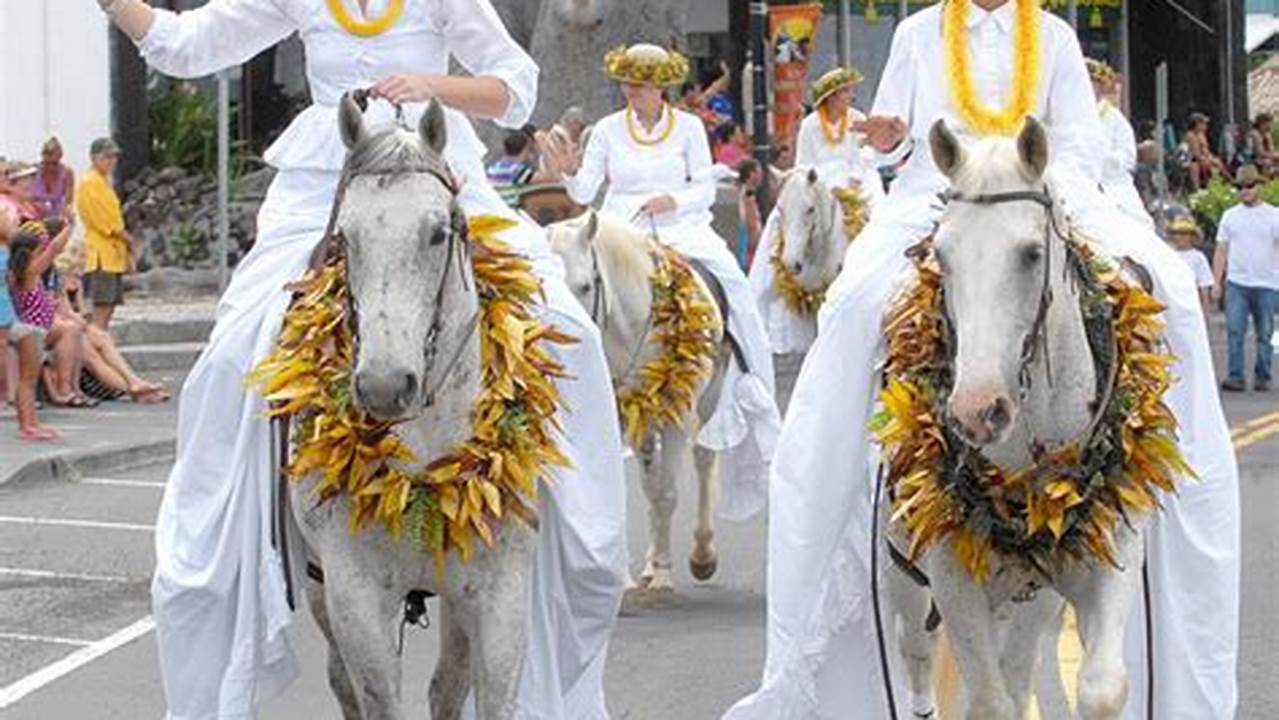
467, 494
366, 28
1065, 506
1026, 69
684, 324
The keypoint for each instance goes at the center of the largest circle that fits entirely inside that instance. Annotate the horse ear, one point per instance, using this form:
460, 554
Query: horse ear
350, 122
947, 152
592, 227
812, 176
432, 127
1032, 146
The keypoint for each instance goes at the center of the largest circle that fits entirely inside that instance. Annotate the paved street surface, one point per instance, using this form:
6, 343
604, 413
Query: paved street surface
76, 638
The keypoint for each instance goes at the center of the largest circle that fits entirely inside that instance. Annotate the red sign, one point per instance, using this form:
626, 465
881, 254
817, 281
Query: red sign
792, 37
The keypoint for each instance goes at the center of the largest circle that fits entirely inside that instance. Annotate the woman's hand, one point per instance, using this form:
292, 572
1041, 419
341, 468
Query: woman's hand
560, 156
660, 205
884, 133
401, 89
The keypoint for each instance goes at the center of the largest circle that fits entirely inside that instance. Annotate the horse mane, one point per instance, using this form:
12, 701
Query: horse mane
390, 151
623, 251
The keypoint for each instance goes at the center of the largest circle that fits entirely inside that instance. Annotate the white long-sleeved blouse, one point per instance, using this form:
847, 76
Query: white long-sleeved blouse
838, 164
914, 88
225, 33
1120, 147
679, 166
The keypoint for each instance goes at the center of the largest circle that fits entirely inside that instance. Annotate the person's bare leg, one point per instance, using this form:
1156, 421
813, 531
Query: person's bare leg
28, 375
6, 388
100, 367
62, 344
101, 317
101, 342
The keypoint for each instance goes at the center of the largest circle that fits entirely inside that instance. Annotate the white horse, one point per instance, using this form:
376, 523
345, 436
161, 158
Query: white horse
407, 271
996, 268
609, 268
810, 221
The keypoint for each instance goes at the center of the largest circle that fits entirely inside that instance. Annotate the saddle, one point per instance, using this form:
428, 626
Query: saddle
721, 301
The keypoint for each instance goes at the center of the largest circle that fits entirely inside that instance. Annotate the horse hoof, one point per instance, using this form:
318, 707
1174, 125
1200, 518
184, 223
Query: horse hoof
636, 600
703, 570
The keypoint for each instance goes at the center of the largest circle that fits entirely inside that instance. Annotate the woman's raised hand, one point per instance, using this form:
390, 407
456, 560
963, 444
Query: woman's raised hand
560, 156
401, 89
884, 133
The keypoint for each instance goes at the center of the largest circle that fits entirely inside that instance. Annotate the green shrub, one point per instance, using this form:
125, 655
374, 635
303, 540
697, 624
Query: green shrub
1213, 201
184, 128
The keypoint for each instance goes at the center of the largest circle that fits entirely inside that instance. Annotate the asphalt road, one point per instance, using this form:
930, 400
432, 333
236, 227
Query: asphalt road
76, 641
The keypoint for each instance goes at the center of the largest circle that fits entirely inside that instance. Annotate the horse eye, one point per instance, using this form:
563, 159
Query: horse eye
583, 288
1030, 256
439, 235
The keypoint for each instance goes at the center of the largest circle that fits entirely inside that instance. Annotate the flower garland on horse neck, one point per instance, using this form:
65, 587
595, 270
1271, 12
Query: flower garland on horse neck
684, 326
445, 505
1027, 65
1067, 505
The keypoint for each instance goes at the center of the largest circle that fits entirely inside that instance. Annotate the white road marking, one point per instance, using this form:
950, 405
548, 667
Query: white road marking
107, 482
44, 639
85, 655
64, 522
51, 575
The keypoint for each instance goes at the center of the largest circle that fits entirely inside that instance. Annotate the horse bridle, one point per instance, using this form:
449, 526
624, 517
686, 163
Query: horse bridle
1036, 338
334, 243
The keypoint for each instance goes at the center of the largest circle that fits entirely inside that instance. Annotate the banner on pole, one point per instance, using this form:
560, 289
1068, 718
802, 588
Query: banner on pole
792, 38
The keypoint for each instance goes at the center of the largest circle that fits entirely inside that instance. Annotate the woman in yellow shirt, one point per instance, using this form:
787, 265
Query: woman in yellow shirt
108, 246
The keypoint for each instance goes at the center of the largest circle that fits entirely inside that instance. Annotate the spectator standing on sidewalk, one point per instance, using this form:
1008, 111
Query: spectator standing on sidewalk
19, 368
1185, 237
108, 246
1246, 269
750, 224
54, 186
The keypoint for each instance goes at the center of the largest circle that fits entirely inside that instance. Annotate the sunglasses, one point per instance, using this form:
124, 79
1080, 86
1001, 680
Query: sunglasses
1250, 185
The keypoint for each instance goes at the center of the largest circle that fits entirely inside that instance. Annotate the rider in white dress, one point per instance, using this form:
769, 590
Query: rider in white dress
659, 177
822, 658
842, 161
1119, 144
219, 588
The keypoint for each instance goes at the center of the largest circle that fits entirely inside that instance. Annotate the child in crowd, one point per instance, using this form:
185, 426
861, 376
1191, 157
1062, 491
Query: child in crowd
19, 366
1184, 235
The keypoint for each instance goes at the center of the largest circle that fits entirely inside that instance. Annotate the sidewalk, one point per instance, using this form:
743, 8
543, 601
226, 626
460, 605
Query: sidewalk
115, 435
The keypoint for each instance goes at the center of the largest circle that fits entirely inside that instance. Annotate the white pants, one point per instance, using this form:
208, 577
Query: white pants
219, 592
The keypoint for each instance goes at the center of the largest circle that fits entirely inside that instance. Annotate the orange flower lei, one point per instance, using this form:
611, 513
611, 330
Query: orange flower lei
1026, 69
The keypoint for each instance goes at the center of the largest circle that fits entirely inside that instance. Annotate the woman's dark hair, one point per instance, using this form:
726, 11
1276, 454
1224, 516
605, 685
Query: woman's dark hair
515, 142
745, 169
1146, 130
1197, 119
1262, 120
22, 247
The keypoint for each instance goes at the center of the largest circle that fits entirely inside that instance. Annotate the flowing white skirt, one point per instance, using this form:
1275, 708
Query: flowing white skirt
788, 332
746, 423
822, 658
219, 592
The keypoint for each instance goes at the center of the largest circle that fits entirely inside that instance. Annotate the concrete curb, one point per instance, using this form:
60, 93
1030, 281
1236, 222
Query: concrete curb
72, 465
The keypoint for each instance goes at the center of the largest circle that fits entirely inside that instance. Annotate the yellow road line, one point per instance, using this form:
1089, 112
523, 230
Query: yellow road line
1254, 424
1256, 436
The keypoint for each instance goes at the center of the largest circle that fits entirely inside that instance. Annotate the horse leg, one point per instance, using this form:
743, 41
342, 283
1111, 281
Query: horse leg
451, 682
339, 679
912, 603
498, 591
704, 560
1103, 600
661, 488
362, 615
970, 624
1020, 658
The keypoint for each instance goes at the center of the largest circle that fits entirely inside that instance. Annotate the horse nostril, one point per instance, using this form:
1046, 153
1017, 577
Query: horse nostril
998, 416
408, 388
797, 267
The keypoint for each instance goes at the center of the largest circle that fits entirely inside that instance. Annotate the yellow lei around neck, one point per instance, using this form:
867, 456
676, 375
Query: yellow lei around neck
634, 131
834, 135
1026, 69
366, 28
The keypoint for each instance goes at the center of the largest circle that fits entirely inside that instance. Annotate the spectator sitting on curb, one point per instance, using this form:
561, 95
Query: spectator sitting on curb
1185, 237
16, 194
19, 353
515, 166
1246, 270
108, 246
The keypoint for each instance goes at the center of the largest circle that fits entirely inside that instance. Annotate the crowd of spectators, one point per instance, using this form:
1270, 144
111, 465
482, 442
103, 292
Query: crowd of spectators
60, 292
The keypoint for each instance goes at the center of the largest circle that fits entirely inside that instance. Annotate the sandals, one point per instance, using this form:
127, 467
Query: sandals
77, 401
42, 434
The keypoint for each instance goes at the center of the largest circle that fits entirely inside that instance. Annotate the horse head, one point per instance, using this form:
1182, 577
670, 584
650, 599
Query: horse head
995, 246
573, 240
403, 233
809, 220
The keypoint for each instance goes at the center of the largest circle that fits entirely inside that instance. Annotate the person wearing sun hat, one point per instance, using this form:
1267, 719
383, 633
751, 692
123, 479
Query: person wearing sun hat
657, 162
827, 143
1119, 144
1185, 236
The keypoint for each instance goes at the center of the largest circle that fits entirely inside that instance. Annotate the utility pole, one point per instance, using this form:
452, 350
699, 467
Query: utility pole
759, 82
843, 32
224, 177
